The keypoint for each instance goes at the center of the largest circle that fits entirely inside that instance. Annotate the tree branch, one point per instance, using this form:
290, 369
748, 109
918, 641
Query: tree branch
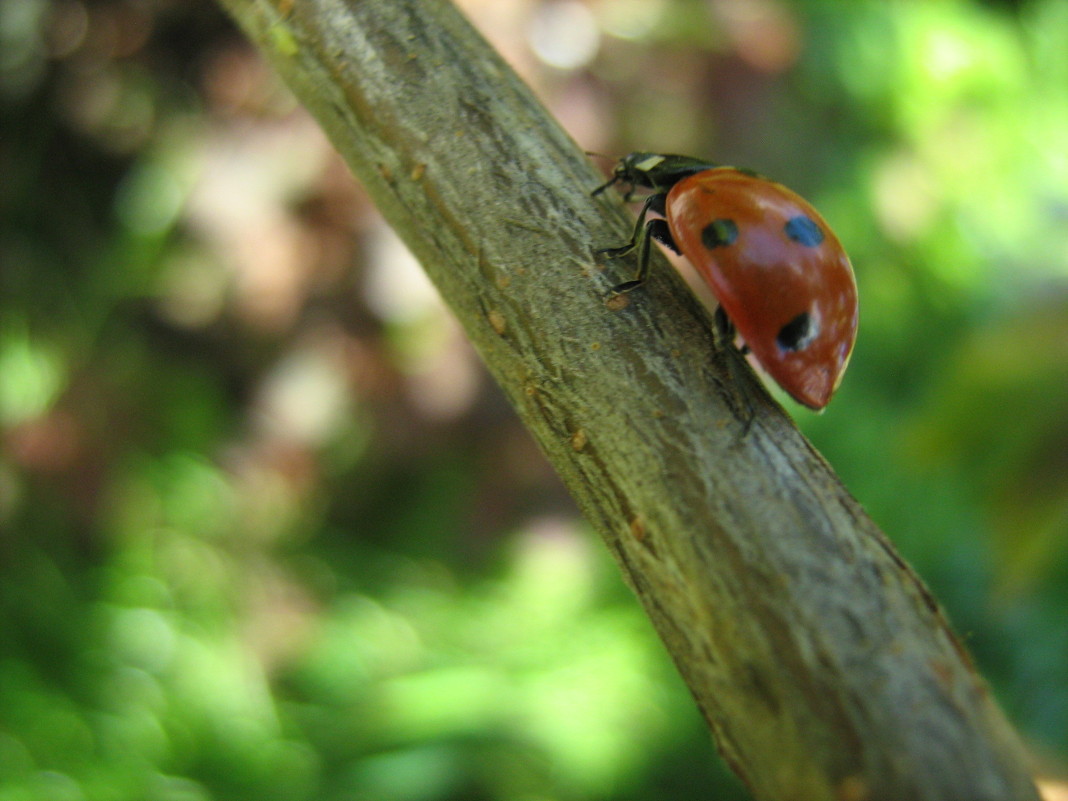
823, 665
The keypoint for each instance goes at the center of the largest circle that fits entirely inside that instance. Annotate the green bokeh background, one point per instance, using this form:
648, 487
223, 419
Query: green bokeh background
268, 532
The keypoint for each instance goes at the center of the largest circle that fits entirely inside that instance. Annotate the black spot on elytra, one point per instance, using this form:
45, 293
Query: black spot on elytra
719, 233
804, 230
798, 333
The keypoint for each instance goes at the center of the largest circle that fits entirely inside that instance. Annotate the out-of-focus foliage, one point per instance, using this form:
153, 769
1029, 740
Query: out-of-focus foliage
266, 531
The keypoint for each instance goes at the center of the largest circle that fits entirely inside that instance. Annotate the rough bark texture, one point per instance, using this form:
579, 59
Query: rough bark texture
822, 664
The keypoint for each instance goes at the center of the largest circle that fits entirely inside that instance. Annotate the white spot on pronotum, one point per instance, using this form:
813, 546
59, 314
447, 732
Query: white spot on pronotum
647, 164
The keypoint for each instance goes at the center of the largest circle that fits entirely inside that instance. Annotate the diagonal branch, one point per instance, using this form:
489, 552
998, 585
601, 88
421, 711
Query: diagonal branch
823, 665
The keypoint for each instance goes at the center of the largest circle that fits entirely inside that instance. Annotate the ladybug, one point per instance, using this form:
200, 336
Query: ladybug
782, 278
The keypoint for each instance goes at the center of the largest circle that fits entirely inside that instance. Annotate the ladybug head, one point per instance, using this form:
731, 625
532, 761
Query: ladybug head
654, 171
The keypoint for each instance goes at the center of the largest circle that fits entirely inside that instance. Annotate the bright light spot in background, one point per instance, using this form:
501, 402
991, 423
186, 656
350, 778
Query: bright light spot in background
947, 55
30, 377
1051, 790
629, 19
192, 289
445, 386
553, 574
149, 199
397, 289
144, 638
563, 34
905, 197
305, 397
442, 371
762, 32
243, 185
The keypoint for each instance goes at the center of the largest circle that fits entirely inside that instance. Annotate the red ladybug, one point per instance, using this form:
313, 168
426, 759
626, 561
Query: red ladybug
775, 266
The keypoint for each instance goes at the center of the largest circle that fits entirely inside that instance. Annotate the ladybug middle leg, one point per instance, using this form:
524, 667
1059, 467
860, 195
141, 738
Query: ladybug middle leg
640, 240
655, 229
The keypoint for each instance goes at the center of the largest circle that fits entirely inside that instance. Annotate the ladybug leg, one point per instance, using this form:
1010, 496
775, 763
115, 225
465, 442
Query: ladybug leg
655, 229
643, 262
736, 364
636, 237
640, 240
661, 232
725, 328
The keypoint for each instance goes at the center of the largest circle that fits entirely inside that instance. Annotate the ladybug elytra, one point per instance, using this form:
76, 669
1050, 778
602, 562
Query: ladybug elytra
777, 269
